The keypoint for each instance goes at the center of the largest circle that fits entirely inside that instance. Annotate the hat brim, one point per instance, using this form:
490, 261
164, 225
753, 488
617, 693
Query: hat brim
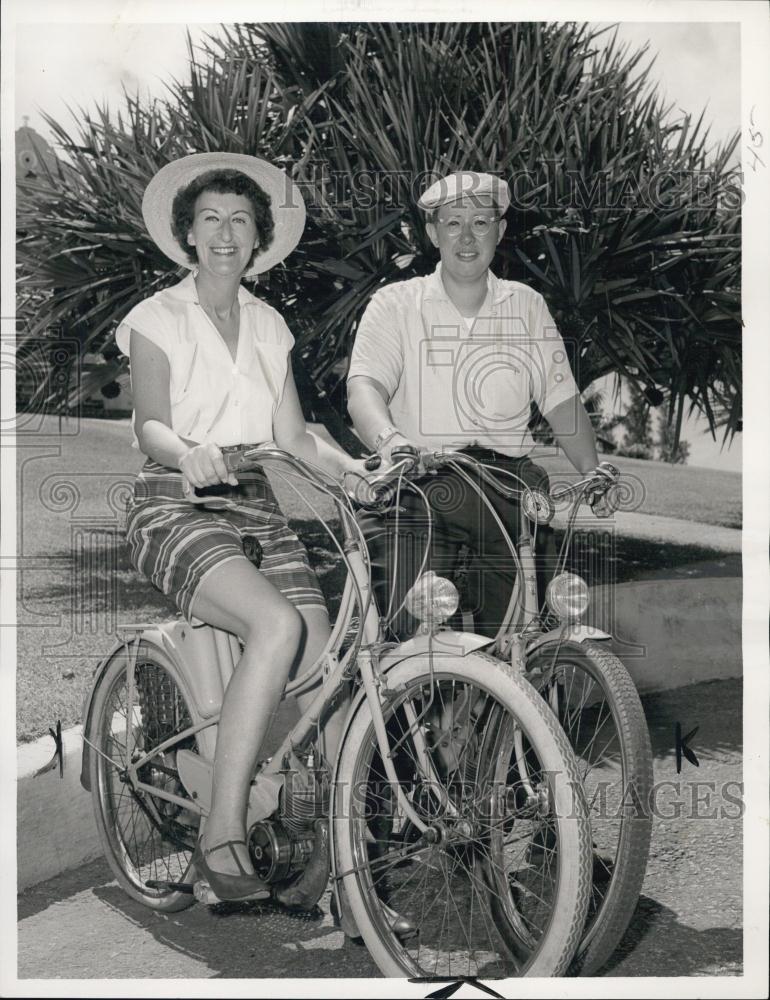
465, 184
286, 204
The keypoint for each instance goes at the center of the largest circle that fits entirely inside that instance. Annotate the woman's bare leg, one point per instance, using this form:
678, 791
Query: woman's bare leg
238, 598
316, 632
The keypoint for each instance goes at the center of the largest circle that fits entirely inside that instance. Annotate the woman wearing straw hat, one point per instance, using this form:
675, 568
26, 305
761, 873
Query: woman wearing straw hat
210, 369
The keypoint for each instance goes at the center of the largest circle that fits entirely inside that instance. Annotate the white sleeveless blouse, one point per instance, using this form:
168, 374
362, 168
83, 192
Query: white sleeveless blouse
214, 398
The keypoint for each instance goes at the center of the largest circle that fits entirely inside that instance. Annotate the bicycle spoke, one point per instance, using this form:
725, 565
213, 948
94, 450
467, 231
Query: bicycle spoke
457, 890
143, 843
507, 876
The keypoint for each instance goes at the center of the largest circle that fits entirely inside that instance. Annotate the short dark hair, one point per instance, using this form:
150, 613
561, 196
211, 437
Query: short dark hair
223, 182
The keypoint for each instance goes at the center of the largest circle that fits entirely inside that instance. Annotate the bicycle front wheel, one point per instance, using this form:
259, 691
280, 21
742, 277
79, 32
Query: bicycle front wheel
598, 706
498, 882
146, 839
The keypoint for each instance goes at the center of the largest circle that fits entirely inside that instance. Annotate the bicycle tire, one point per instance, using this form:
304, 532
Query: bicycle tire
137, 848
363, 849
625, 788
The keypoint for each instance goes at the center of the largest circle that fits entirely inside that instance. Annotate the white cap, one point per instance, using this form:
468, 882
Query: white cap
462, 184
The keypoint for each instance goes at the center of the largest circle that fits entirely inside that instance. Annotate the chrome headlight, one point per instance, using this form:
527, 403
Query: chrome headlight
567, 597
432, 599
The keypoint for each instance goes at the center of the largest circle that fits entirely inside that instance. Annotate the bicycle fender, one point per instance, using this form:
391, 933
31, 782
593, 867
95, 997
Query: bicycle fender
160, 635
101, 666
566, 633
445, 642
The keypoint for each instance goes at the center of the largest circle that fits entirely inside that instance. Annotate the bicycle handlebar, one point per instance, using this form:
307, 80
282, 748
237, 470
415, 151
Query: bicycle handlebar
408, 463
240, 458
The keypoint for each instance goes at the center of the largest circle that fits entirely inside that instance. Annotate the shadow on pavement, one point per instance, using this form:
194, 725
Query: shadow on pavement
694, 872
39, 897
715, 707
689, 951
250, 940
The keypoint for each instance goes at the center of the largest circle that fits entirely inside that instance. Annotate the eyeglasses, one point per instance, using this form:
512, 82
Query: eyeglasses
480, 226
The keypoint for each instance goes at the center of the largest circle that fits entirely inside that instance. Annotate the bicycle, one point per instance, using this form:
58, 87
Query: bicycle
587, 687
452, 823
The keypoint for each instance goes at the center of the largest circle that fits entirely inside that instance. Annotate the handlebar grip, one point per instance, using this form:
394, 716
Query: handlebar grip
405, 453
381, 488
216, 497
608, 469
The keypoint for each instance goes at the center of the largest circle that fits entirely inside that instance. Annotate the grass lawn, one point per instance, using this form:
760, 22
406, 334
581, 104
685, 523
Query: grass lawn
689, 493
75, 584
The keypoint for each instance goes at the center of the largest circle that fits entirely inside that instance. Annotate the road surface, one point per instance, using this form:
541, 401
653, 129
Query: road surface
687, 922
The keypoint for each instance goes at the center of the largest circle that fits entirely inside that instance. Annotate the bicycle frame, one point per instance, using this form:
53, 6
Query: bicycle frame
367, 655
521, 630
452, 716
362, 656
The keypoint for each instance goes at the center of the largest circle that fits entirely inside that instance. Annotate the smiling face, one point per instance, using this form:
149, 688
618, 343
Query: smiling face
466, 233
223, 232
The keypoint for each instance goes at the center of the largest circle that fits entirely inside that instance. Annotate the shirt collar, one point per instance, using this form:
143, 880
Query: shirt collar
497, 290
185, 291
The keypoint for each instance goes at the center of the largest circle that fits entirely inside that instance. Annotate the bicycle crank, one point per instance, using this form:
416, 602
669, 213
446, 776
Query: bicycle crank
205, 894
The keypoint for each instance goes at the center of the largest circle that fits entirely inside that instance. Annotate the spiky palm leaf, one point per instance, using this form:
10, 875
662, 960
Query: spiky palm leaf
362, 114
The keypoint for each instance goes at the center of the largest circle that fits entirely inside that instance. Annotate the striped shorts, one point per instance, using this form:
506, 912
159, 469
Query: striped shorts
176, 544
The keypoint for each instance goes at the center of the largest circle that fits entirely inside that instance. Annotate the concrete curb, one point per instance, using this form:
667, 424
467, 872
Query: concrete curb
55, 819
669, 633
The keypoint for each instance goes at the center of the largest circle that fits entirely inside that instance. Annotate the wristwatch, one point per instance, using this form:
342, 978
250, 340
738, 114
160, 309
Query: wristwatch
384, 436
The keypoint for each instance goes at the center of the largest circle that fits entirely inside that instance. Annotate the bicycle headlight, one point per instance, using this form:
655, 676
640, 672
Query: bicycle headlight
432, 599
567, 596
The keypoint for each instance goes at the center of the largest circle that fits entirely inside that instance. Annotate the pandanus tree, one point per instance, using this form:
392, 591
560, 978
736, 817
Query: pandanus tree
625, 218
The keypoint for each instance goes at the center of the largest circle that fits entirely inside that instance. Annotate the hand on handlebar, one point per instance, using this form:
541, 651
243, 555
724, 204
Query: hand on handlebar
398, 443
356, 481
370, 482
204, 465
598, 497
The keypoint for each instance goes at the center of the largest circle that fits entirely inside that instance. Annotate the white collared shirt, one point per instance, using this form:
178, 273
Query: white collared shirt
452, 382
214, 398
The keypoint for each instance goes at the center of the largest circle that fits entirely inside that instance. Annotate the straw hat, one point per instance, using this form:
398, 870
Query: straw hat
286, 204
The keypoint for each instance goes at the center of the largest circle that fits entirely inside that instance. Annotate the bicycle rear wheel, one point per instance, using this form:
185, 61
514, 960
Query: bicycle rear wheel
598, 706
146, 839
499, 884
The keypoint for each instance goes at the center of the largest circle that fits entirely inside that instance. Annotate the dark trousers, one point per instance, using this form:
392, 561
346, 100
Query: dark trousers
466, 544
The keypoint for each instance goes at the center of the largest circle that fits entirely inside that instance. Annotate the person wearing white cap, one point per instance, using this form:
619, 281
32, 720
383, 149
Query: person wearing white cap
455, 360
210, 370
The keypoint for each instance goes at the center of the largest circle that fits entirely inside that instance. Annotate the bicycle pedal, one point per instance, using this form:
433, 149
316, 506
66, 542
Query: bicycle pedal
205, 894
167, 886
